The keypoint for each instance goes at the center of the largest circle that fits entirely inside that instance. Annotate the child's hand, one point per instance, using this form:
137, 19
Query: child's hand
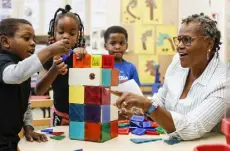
80, 52
59, 65
31, 135
60, 47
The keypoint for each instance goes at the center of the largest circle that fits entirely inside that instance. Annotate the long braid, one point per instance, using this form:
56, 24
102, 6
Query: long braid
66, 12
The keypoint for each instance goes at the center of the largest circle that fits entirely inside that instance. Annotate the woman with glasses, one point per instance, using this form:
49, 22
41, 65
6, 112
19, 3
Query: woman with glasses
191, 101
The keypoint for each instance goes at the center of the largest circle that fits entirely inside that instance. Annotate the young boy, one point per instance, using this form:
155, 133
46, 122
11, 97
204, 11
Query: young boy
17, 64
116, 39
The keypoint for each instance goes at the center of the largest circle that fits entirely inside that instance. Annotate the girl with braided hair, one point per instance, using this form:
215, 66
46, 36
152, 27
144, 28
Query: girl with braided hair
192, 100
64, 25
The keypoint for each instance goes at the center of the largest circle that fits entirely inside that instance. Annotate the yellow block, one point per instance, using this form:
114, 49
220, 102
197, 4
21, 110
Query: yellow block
96, 61
76, 94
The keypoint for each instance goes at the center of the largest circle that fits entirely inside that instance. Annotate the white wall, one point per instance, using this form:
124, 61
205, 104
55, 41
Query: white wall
188, 7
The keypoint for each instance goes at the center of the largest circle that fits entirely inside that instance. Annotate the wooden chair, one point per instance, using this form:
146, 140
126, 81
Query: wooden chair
39, 103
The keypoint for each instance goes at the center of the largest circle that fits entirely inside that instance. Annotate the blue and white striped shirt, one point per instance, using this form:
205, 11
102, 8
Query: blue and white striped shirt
203, 108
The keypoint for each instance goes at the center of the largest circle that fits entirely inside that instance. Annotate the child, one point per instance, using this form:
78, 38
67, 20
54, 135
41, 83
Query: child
116, 39
17, 64
65, 25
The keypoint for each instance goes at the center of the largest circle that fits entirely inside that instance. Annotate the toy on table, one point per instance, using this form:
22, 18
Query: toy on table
92, 117
225, 128
144, 140
138, 125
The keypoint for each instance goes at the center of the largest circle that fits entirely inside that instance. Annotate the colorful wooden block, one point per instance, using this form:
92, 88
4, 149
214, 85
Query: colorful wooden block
77, 63
92, 113
93, 132
76, 94
105, 113
84, 76
113, 113
86, 61
76, 112
96, 95
107, 61
77, 130
115, 77
105, 132
106, 77
114, 129
96, 61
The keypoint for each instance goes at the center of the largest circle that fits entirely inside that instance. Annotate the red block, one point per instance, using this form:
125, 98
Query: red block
114, 129
97, 95
225, 128
107, 61
86, 61
115, 77
123, 121
155, 125
151, 133
77, 63
123, 131
93, 132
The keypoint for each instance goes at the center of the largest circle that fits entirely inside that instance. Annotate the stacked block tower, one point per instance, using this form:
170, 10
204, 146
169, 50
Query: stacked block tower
92, 116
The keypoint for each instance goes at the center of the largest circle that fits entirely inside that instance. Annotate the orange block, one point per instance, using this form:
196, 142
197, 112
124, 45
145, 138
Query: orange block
86, 61
93, 132
115, 77
77, 63
114, 129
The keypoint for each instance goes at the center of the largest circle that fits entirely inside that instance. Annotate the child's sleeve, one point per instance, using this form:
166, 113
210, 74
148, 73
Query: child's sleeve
28, 118
18, 73
134, 75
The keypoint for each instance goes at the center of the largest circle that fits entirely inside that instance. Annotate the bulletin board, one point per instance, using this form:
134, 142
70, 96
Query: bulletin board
152, 11
145, 68
164, 39
131, 11
144, 39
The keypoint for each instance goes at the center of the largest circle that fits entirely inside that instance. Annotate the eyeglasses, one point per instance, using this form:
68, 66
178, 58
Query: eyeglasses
186, 40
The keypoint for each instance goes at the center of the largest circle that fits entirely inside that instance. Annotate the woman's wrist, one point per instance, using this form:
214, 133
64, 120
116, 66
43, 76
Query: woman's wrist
147, 105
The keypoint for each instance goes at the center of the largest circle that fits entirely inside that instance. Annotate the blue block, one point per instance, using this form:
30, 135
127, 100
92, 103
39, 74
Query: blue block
106, 77
105, 109
76, 112
77, 130
147, 124
92, 113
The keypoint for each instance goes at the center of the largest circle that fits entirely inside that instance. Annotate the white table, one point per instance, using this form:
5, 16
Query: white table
121, 143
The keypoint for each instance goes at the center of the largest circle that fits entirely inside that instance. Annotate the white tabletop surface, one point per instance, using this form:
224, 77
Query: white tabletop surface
121, 143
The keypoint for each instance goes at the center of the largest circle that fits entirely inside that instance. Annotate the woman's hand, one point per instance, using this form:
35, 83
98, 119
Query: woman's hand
131, 102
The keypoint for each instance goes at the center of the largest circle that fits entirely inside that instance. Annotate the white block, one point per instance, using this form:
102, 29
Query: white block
85, 76
113, 98
113, 113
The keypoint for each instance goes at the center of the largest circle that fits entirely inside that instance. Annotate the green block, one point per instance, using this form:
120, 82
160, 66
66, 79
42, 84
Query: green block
160, 130
123, 125
105, 132
57, 137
